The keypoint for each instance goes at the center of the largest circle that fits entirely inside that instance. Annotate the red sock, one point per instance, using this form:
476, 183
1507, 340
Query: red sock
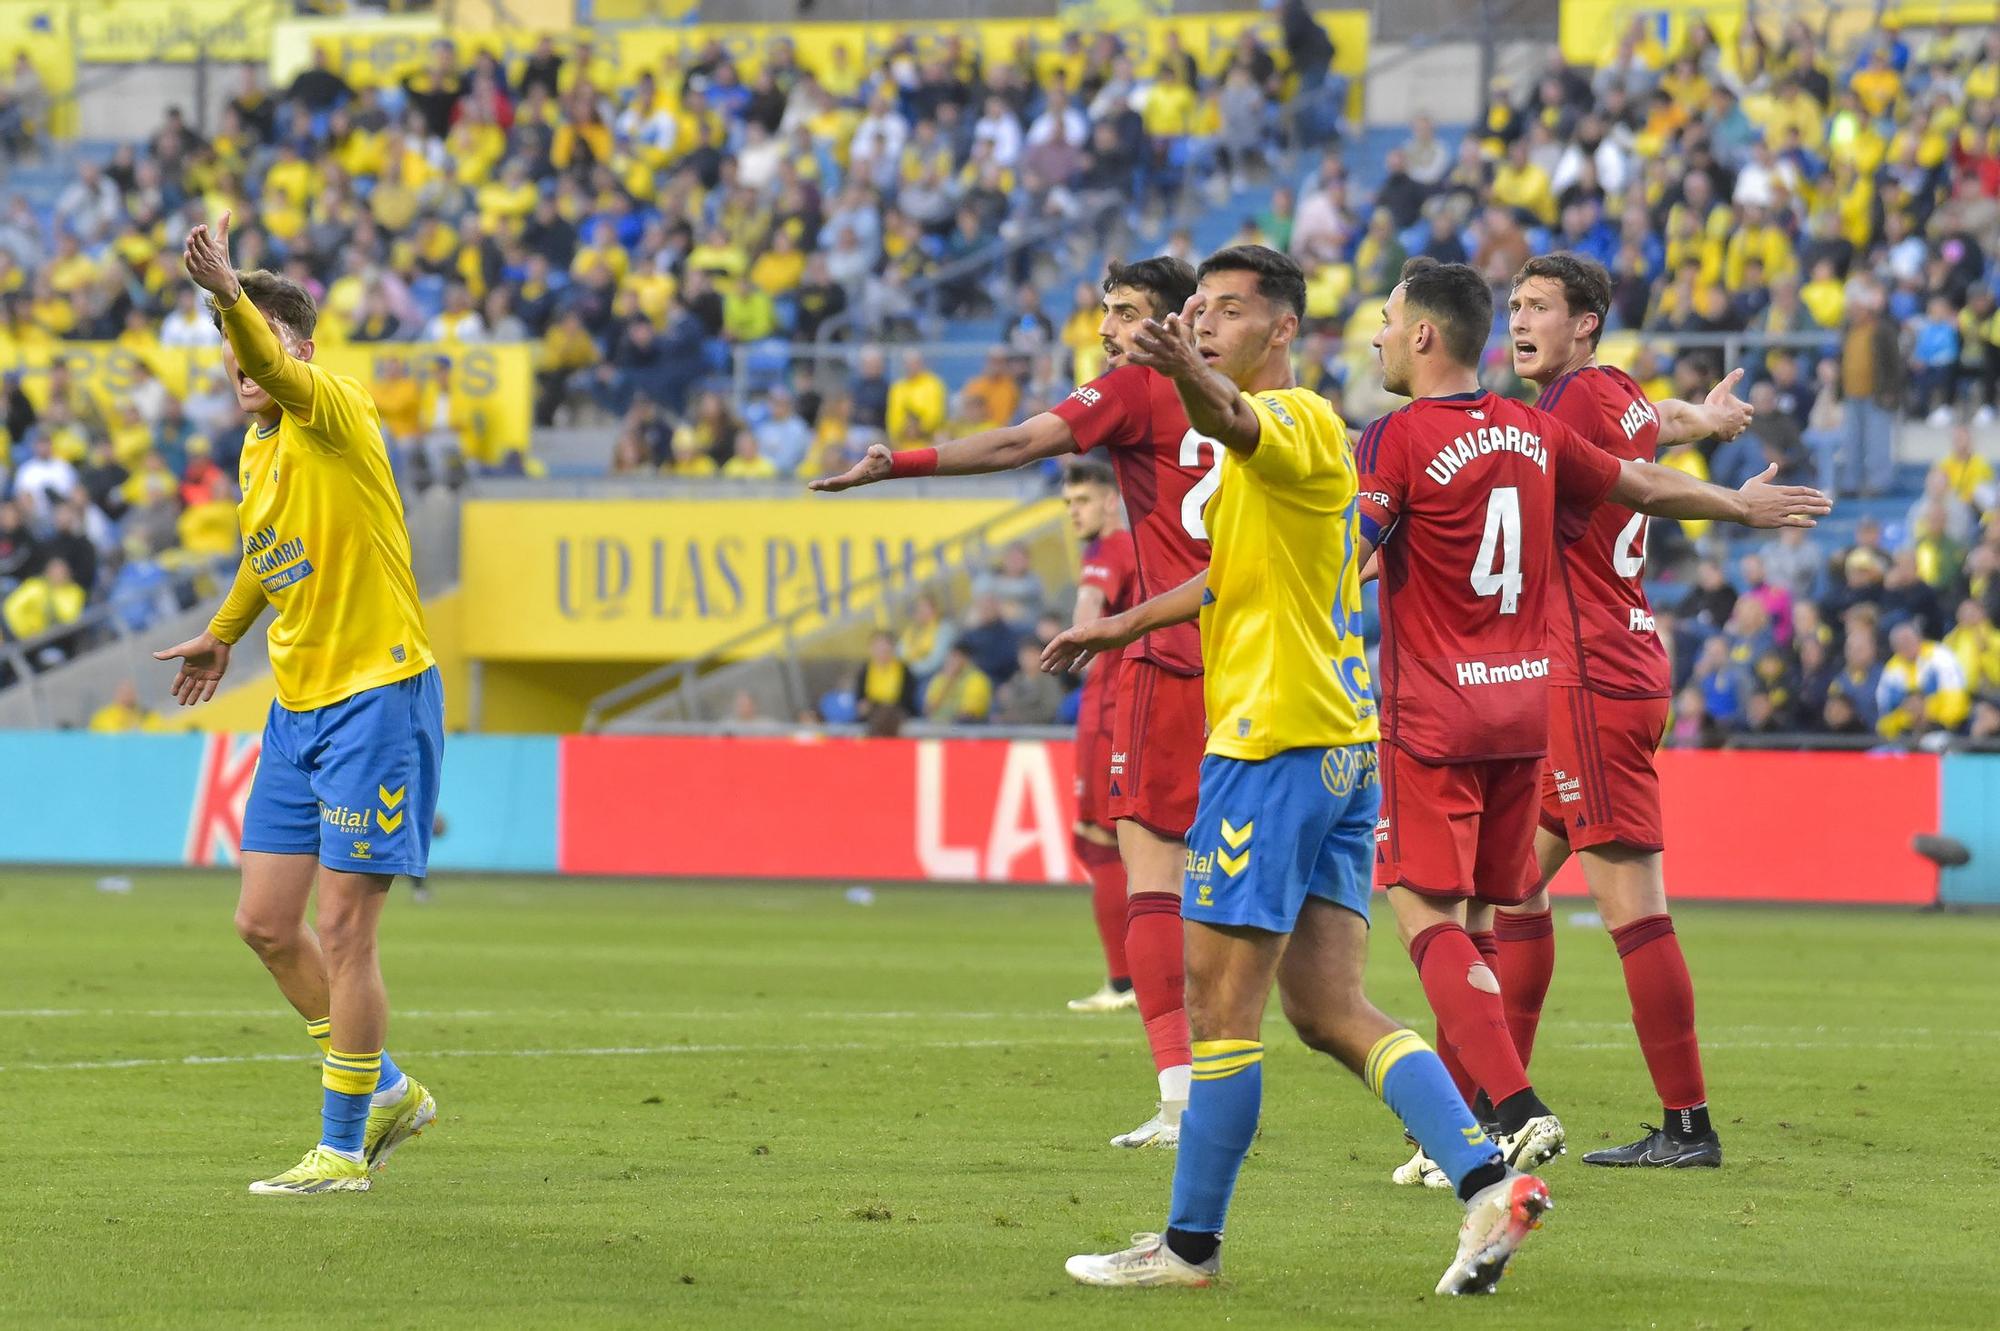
1460, 1078
1470, 1018
1159, 974
1107, 902
1527, 945
1656, 979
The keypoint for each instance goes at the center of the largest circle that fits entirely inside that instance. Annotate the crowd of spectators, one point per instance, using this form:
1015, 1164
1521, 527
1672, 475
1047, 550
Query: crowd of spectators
1891, 637
984, 667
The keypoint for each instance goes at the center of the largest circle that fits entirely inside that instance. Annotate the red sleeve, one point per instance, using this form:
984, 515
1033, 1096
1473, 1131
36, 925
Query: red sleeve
1379, 458
1108, 569
1584, 473
1116, 407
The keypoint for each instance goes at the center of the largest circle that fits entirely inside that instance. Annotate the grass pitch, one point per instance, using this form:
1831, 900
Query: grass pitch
764, 1106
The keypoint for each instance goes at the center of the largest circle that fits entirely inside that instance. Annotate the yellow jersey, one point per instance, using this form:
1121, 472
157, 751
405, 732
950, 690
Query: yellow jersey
324, 541
1281, 618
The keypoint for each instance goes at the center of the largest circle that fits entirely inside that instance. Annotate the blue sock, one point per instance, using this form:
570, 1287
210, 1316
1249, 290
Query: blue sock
1224, 1099
391, 1074
349, 1080
1412, 1080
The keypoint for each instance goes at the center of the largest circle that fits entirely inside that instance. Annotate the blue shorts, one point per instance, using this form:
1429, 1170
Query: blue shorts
1270, 834
355, 782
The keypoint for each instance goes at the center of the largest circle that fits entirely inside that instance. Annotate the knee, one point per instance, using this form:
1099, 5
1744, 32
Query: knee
1326, 1027
345, 937
267, 936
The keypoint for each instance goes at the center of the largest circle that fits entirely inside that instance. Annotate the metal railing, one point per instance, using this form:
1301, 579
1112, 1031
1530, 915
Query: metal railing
774, 656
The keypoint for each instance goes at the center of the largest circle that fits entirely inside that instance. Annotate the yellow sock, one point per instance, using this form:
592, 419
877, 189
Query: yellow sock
321, 1034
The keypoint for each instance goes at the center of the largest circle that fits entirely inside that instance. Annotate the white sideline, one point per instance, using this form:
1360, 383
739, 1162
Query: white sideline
608, 1051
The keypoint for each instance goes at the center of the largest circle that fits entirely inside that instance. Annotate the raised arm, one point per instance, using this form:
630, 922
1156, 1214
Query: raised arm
1665, 492
1214, 405
259, 352
1720, 415
1044, 435
1073, 646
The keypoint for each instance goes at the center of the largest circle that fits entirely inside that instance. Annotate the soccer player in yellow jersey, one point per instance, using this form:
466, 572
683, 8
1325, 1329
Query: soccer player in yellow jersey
348, 782
1281, 854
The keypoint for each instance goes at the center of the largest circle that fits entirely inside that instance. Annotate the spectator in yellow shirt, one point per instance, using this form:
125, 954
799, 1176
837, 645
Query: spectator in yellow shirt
123, 714
1976, 644
1519, 183
47, 601
1877, 84
565, 349
1969, 475
748, 313
400, 400
1825, 297
960, 693
917, 400
748, 461
778, 269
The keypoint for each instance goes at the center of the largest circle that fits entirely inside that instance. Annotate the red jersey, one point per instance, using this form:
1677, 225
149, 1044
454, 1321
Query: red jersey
1460, 494
1601, 632
1109, 566
1166, 473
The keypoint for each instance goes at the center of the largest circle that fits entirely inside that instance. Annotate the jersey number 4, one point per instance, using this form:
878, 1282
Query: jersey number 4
1496, 571
1204, 489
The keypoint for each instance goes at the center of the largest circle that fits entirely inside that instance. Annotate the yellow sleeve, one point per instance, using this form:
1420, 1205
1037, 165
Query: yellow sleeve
1298, 435
239, 609
285, 377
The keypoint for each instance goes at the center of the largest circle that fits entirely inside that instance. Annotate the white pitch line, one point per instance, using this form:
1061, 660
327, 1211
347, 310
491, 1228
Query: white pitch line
486, 1014
608, 1051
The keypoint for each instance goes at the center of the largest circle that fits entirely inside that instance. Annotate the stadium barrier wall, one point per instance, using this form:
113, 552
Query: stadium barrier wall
1972, 815
1805, 827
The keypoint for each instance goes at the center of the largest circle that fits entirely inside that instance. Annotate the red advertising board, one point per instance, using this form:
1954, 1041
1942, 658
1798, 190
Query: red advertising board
1746, 826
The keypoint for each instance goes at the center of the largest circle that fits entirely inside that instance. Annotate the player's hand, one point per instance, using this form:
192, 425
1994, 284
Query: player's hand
1728, 413
1073, 646
1170, 346
206, 259
874, 466
1769, 505
203, 659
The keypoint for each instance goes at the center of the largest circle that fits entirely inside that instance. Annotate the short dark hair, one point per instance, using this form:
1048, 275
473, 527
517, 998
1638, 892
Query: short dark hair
1169, 281
1089, 471
1457, 300
1586, 285
277, 297
1279, 277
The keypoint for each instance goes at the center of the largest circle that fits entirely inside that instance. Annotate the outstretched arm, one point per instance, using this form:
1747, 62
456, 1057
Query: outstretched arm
1666, 492
259, 353
1073, 646
1720, 415
1044, 435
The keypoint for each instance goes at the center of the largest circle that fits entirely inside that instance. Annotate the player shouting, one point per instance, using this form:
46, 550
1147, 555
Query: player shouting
1104, 587
1460, 490
1166, 472
1277, 872
1609, 685
348, 782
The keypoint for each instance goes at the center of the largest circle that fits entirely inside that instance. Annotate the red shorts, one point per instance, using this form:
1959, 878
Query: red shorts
1598, 782
1458, 829
1093, 743
1157, 737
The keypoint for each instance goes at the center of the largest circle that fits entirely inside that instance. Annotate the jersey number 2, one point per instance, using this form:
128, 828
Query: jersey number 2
1204, 489
1497, 570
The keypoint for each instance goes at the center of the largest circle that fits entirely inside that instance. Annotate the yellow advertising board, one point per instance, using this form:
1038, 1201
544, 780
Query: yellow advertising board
126, 32
39, 29
387, 49
669, 579
492, 385
1591, 29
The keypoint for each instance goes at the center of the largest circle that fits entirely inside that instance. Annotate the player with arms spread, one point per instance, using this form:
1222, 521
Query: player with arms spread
1609, 686
348, 782
1277, 870
1166, 471
1461, 490
1104, 587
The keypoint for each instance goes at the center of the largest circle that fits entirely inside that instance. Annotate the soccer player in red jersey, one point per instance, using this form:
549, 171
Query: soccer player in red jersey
1166, 472
1460, 493
1104, 587
1609, 686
